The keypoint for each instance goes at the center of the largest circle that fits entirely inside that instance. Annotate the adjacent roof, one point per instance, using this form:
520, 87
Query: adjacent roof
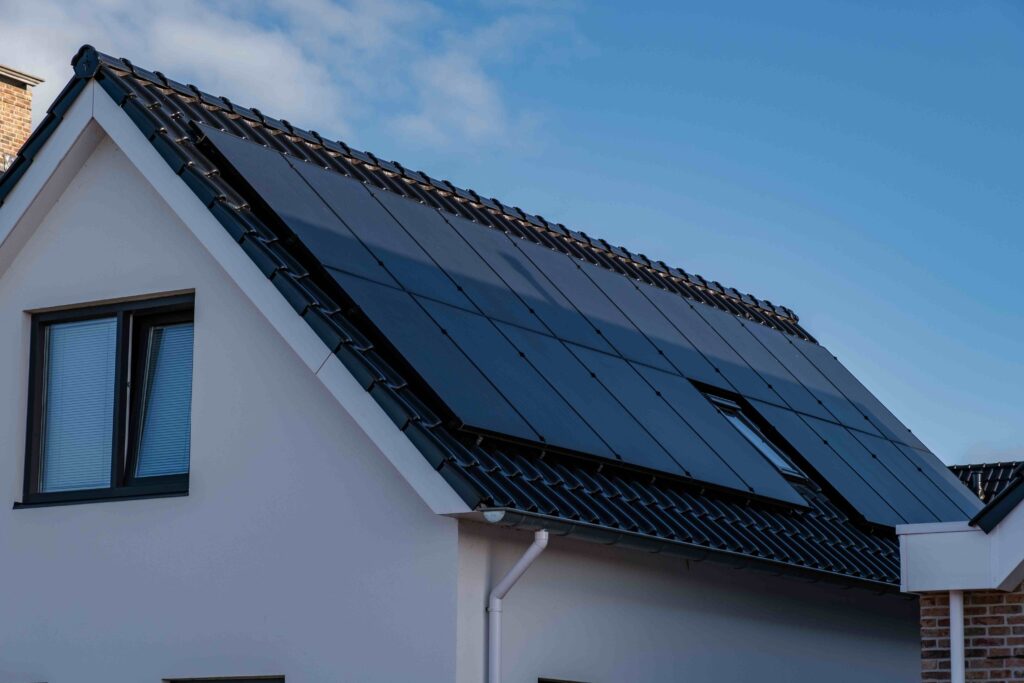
987, 480
999, 484
860, 472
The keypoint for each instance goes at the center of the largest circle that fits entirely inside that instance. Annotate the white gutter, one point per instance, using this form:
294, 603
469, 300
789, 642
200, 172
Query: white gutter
956, 636
498, 593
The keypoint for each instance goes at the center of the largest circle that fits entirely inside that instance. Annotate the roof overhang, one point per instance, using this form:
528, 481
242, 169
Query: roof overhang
963, 555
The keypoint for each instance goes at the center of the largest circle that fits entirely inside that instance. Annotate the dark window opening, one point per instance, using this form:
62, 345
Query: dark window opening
110, 397
738, 418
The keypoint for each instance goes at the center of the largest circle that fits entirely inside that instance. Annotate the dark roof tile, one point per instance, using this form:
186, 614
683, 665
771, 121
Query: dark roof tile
987, 480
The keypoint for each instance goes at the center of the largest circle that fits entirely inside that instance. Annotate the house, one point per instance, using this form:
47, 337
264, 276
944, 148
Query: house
969, 575
279, 408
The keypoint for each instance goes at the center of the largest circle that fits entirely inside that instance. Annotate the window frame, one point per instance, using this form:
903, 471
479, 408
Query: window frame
132, 318
728, 406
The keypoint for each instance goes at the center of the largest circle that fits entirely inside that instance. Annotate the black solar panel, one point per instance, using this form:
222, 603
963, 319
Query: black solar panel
458, 260
779, 380
944, 479
532, 343
470, 395
365, 218
568, 276
850, 483
880, 416
936, 498
592, 399
516, 377
833, 403
532, 286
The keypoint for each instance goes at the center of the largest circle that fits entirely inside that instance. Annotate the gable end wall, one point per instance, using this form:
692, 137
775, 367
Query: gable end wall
299, 550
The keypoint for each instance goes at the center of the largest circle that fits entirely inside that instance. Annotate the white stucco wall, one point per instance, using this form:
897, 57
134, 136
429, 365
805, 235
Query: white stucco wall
601, 615
299, 549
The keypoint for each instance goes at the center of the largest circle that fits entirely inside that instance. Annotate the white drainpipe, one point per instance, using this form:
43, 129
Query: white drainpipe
956, 636
540, 542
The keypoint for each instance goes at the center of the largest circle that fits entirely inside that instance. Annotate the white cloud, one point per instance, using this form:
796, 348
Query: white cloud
408, 68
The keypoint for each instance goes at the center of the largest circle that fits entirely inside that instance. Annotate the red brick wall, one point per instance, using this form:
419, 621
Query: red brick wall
15, 117
993, 635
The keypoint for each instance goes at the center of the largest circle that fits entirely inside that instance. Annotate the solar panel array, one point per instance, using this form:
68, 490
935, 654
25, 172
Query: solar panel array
527, 342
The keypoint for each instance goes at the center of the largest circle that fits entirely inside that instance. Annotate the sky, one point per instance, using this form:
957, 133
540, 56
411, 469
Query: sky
859, 162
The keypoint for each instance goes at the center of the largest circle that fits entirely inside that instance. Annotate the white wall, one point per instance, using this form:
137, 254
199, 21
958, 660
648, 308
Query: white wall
595, 614
299, 550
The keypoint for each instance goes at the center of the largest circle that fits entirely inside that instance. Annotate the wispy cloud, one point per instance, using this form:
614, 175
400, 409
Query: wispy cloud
407, 68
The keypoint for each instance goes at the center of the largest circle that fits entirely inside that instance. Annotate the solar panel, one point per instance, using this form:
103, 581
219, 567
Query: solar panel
758, 475
294, 202
458, 260
552, 418
616, 426
850, 386
849, 482
434, 357
548, 304
657, 416
809, 376
567, 274
964, 498
383, 236
667, 339
734, 374
771, 371
884, 477
914, 475
525, 341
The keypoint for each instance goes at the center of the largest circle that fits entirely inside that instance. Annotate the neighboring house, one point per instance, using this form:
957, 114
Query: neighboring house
15, 112
294, 411
969, 575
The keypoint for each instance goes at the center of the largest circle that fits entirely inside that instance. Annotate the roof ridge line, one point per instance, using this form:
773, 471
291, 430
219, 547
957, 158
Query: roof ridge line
88, 61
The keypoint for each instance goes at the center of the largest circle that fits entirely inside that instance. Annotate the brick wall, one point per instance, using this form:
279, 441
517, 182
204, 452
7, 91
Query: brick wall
15, 117
993, 635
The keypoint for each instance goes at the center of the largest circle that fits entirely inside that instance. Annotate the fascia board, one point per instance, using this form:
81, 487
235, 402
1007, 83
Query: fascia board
957, 558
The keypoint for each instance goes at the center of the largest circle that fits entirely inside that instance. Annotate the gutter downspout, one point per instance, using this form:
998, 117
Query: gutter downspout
498, 593
956, 636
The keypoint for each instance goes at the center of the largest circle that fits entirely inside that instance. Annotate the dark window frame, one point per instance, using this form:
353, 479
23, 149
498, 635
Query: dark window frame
781, 461
133, 319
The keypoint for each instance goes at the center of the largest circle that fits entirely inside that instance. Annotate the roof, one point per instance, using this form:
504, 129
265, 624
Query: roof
987, 480
999, 484
867, 470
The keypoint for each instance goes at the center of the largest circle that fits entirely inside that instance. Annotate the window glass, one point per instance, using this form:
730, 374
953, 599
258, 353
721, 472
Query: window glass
165, 413
734, 414
78, 404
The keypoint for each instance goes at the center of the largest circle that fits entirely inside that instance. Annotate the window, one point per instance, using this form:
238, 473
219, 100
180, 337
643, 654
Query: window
110, 401
736, 416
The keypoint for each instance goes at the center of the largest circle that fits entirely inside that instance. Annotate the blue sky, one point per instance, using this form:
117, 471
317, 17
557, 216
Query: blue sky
859, 162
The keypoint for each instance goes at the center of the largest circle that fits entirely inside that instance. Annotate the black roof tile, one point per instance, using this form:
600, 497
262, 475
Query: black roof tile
987, 480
